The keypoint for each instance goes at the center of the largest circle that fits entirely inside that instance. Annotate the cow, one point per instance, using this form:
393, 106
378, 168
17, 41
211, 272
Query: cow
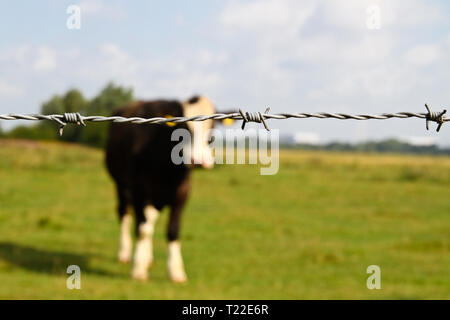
138, 158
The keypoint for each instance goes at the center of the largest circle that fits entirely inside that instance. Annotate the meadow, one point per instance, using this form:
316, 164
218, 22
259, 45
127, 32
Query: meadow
308, 232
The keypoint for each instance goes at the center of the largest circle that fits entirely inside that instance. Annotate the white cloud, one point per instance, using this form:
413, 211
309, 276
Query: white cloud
17, 56
195, 71
101, 9
346, 14
330, 60
10, 90
92, 7
349, 59
114, 53
256, 15
183, 85
352, 14
330, 48
45, 61
206, 57
269, 25
423, 54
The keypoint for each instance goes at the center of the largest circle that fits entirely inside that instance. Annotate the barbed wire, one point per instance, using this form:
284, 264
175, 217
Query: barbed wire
76, 118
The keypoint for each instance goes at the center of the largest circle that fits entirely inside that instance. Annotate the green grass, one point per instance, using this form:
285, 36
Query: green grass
308, 232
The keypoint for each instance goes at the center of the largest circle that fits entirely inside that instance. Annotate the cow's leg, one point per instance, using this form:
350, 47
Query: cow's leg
145, 224
175, 263
125, 241
151, 215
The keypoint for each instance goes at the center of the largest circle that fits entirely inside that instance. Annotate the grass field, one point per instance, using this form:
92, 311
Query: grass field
308, 232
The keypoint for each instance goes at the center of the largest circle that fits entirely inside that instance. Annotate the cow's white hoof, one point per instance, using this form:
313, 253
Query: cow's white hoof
139, 273
177, 274
175, 263
124, 257
124, 260
179, 279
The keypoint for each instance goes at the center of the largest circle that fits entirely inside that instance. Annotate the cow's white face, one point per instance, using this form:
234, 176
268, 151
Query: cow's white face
201, 153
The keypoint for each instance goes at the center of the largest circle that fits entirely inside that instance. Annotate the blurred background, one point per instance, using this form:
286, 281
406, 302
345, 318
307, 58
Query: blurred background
293, 56
308, 232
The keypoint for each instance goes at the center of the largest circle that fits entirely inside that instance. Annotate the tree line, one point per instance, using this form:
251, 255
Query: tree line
387, 145
103, 104
112, 96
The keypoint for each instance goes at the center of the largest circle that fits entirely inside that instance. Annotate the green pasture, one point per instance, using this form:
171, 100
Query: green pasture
308, 232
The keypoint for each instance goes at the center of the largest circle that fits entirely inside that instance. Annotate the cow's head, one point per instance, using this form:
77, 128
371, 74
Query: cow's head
201, 153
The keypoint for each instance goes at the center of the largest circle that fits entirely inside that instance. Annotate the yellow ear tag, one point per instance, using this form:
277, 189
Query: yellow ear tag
227, 122
170, 124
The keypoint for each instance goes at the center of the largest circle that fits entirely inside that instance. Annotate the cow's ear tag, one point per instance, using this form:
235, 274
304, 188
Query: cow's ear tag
227, 122
170, 124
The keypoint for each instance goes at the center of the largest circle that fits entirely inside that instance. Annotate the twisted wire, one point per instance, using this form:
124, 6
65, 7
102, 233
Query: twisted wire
258, 117
219, 116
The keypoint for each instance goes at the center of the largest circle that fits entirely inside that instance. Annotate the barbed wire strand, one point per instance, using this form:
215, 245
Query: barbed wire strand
76, 118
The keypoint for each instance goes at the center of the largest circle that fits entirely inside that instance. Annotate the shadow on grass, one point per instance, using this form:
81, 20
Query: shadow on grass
43, 261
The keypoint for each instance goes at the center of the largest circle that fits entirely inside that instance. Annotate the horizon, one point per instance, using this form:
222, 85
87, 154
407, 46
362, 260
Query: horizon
293, 56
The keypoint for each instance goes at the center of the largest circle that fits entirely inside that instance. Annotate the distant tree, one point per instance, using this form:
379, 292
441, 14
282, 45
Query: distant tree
72, 101
35, 132
53, 106
109, 99
388, 145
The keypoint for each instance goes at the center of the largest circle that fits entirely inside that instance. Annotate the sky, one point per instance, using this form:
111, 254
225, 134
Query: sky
289, 55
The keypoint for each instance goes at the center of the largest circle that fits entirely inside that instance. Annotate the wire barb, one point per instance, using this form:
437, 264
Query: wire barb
437, 117
69, 118
254, 117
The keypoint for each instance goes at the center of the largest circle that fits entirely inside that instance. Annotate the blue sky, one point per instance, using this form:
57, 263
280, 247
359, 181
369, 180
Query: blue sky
294, 56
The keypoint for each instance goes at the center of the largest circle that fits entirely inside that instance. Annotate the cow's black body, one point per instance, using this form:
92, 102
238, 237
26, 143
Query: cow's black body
138, 157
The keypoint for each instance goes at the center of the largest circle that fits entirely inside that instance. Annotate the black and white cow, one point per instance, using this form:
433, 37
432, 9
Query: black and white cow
138, 157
